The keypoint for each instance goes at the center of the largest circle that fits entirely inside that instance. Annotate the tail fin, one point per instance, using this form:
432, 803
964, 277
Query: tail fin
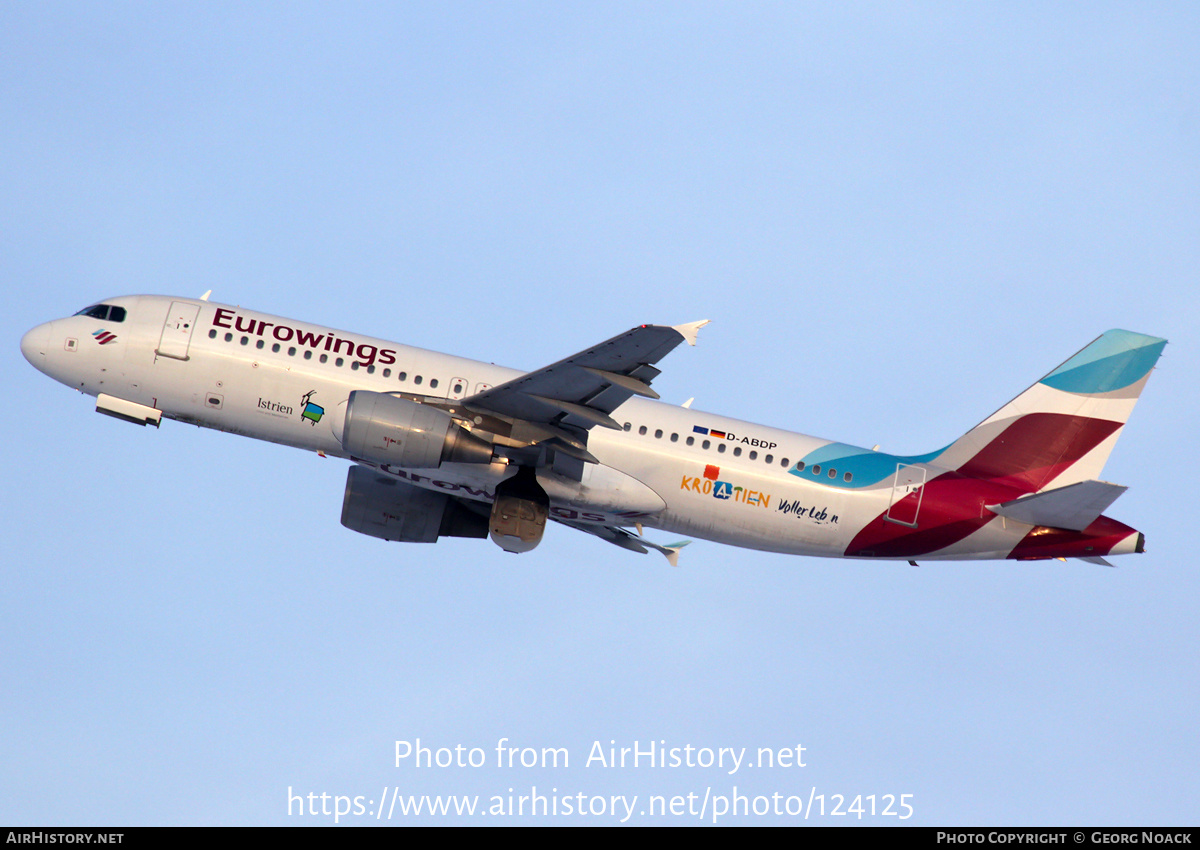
1063, 428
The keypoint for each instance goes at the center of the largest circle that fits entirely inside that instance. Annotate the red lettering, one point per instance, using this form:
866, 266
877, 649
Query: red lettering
309, 340
368, 358
223, 315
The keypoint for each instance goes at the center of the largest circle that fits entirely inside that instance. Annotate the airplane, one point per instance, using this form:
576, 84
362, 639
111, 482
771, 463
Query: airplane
444, 446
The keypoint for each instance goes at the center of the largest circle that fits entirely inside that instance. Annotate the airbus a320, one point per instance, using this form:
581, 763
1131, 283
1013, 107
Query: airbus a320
443, 446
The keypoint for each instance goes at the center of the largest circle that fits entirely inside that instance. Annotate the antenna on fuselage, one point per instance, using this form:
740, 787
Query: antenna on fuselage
204, 297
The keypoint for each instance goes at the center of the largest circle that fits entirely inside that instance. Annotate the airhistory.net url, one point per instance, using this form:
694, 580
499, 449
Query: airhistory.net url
708, 806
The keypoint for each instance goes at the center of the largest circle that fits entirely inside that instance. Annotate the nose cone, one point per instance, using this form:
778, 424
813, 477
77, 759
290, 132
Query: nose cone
35, 344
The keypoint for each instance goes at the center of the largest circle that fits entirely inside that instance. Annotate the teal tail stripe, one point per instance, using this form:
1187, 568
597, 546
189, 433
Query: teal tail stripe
1114, 361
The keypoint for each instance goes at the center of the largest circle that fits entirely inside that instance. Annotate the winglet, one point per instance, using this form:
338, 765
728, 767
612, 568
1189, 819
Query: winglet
671, 550
690, 331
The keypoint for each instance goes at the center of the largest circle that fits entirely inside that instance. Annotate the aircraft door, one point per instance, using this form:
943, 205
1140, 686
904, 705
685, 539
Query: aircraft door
907, 491
177, 330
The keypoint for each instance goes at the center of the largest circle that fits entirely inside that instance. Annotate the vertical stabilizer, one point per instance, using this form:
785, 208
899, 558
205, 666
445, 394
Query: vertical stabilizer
1063, 428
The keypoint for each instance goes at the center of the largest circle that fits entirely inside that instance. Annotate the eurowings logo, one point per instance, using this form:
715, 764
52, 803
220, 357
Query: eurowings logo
104, 337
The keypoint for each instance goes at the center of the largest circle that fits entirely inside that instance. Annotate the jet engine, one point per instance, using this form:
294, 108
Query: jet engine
388, 430
519, 513
385, 507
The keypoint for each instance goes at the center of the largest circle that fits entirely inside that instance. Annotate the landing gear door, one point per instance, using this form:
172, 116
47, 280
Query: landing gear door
907, 491
177, 330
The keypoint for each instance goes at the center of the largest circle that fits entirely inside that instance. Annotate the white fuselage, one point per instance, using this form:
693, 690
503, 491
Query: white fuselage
681, 470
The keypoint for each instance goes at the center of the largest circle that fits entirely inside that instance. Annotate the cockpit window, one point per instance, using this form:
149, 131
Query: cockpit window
107, 312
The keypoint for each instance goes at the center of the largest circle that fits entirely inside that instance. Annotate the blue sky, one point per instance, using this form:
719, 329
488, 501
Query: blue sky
898, 216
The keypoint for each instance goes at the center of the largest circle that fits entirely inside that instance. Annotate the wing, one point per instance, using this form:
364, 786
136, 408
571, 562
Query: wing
583, 389
557, 405
628, 540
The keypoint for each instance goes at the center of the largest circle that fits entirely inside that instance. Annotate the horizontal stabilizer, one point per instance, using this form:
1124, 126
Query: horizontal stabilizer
1073, 507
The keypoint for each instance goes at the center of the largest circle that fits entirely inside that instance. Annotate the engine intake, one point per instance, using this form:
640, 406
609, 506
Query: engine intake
388, 430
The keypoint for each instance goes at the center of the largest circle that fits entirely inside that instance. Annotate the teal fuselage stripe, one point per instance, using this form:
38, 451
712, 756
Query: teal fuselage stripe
865, 466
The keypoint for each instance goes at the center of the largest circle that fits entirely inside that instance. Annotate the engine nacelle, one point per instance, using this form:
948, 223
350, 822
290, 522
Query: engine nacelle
384, 507
388, 430
519, 513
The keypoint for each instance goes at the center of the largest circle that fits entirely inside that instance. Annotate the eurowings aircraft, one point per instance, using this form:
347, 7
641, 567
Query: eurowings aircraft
444, 446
